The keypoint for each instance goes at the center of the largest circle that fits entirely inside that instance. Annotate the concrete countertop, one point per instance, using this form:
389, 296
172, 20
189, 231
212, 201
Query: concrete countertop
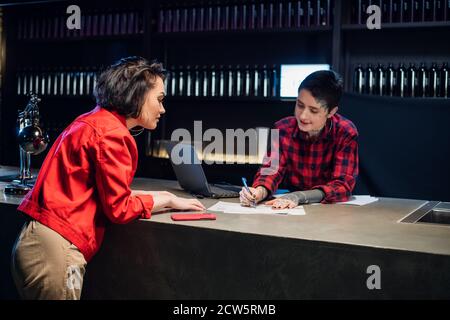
374, 225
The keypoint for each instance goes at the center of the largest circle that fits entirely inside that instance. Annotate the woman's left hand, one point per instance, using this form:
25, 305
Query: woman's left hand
281, 203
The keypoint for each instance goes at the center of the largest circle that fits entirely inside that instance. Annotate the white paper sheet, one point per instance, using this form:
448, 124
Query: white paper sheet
228, 207
360, 200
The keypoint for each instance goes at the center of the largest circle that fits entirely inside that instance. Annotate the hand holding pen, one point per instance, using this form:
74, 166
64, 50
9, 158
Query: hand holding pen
249, 196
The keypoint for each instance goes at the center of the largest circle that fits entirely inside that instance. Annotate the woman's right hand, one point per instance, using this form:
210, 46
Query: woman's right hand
186, 204
258, 194
166, 200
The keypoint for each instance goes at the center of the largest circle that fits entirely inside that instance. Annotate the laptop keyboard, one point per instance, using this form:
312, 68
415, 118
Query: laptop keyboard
224, 193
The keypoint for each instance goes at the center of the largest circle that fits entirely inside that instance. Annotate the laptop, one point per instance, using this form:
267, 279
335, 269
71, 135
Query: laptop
190, 174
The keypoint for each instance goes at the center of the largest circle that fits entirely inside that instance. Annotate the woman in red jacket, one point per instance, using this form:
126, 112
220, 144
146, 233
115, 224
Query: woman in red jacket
85, 180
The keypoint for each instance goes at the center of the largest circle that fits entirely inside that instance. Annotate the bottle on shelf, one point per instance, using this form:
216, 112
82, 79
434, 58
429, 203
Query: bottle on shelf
229, 82
117, 23
274, 82
55, 82
407, 11
174, 82
266, 82
439, 10
309, 13
386, 12
422, 81
401, 80
411, 84
191, 18
428, 8
358, 80
222, 81
213, 81
417, 11
176, 17
396, 11
270, 15
209, 17
279, 18
238, 91
369, 78
206, 91
260, 20
19, 86
226, 14
184, 17
444, 81
196, 81
181, 82
433, 80
299, 15
390, 80
247, 81
189, 82
256, 81
379, 82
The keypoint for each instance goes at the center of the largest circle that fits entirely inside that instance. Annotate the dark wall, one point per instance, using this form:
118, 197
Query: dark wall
404, 145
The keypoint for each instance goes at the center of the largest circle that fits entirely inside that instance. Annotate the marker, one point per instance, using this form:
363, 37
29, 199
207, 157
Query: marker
244, 181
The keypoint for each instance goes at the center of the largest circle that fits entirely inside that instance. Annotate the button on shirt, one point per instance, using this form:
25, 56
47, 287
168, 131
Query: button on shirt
329, 162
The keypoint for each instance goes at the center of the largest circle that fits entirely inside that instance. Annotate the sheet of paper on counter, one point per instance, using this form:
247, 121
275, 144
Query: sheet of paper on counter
360, 200
228, 207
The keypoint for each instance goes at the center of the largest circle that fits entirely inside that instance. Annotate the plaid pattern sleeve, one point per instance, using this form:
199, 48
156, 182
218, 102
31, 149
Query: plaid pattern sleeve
344, 173
272, 171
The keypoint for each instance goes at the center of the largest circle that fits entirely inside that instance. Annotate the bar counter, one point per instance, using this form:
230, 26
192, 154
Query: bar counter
326, 254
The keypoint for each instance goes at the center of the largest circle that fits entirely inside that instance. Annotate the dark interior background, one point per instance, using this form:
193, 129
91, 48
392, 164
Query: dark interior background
404, 142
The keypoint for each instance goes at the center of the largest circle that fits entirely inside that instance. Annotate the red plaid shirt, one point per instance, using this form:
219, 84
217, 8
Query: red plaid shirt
329, 163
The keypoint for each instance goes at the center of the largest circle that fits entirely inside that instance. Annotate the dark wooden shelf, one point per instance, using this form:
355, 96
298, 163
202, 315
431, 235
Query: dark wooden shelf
397, 97
229, 99
398, 25
134, 36
243, 32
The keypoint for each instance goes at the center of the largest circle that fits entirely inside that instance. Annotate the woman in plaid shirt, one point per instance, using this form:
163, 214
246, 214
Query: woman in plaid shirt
318, 149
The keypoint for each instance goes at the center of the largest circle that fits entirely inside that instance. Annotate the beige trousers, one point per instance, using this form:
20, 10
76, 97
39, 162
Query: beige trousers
44, 265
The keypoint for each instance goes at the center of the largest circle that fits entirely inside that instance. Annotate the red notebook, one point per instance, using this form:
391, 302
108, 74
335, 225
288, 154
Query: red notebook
192, 216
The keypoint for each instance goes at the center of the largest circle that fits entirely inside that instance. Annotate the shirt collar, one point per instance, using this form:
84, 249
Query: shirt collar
324, 134
121, 118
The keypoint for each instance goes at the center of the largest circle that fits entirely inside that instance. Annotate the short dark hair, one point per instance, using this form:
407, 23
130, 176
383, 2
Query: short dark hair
122, 87
325, 86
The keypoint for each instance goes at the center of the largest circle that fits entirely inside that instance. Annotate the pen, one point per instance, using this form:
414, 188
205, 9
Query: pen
244, 181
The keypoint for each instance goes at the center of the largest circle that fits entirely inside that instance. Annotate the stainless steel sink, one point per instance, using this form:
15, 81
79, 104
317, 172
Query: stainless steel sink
433, 212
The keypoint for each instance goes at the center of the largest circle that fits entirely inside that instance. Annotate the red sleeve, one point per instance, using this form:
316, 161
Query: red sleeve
114, 173
344, 174
271, 172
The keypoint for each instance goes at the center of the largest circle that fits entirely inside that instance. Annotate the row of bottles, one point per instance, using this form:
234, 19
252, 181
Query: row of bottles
403, 81
403, 11
230, 81
66, 82
244, 16
109, 23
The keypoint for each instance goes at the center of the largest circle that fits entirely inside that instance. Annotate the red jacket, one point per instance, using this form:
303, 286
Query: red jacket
85, 180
